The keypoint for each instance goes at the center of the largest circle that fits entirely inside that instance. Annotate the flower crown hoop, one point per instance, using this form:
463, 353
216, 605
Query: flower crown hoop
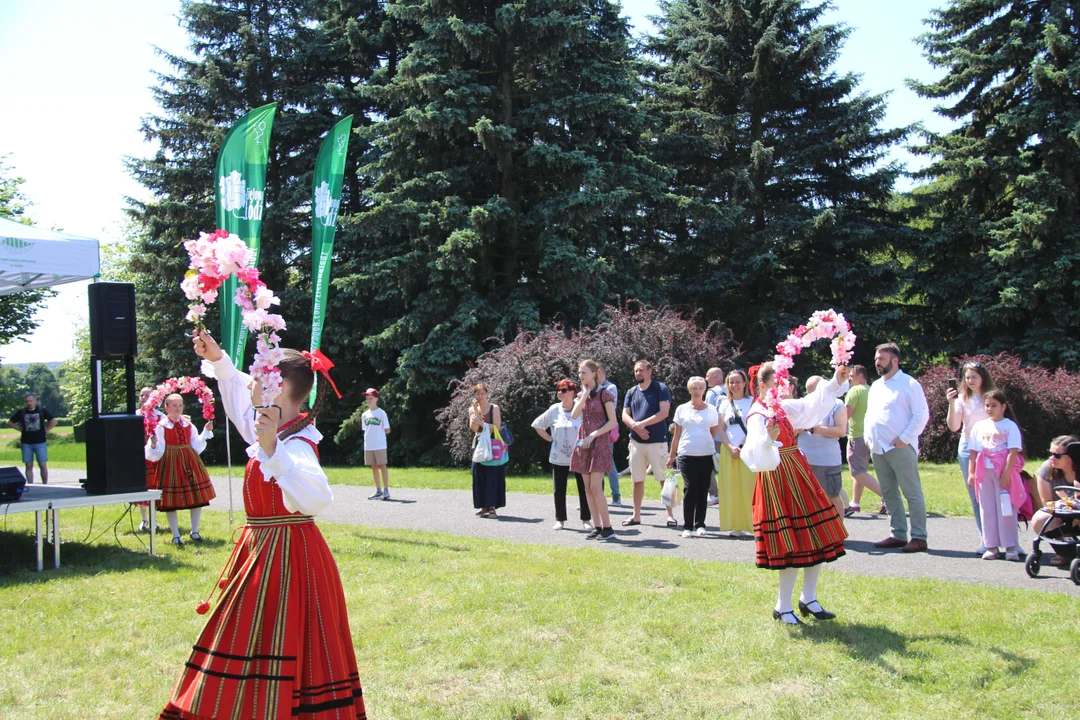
822, 325
178, 385
214, 257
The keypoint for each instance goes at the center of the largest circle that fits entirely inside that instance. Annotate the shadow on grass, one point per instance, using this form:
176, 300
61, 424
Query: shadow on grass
416, 543
872, 643
76, 558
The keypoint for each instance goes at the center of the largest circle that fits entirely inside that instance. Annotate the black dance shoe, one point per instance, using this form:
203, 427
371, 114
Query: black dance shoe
777, 615
821, 614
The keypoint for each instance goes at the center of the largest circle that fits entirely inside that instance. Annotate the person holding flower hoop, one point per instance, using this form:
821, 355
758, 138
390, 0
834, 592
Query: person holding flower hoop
175, 446
795, 524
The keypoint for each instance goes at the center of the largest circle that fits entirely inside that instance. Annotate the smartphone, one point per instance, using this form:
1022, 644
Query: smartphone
952, 384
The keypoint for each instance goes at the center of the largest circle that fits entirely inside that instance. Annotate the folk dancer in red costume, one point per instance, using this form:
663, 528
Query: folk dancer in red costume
277, 645
795, 524
174, 448
151, 467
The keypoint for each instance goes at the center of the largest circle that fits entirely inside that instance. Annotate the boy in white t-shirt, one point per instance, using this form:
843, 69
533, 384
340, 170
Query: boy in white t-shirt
376, 428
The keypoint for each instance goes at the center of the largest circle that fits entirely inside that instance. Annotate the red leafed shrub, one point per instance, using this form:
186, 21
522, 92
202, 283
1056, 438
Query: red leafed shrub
522, 374
1046, 403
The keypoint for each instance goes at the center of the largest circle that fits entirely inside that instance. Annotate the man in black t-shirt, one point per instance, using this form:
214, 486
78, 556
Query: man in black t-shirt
34, 421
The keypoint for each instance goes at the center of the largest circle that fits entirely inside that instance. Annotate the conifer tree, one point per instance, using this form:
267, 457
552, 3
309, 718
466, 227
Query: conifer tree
779, 168
508, 189
1003, 202
17, 310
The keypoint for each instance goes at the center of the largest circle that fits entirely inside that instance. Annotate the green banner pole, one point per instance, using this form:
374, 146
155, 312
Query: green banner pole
240, 196
325, 203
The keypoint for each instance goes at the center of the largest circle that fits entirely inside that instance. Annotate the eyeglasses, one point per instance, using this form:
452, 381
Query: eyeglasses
977, 366
1058, 456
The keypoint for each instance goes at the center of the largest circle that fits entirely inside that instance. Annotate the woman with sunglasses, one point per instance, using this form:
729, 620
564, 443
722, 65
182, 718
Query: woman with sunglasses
559, 427
1060, 469
965, 409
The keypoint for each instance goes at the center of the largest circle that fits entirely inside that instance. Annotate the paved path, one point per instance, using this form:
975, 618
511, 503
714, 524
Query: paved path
529, 518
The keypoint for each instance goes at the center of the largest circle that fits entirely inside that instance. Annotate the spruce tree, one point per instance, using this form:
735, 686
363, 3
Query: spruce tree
1003, 198
309, 56
17, 310
779, 168
508, 187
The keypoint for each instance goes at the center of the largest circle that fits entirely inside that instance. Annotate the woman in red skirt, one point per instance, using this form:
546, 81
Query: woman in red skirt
151, 467
592, 456
795, 524
174, 448
277, 645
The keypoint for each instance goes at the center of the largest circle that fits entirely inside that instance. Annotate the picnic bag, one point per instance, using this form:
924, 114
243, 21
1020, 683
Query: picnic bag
500, 454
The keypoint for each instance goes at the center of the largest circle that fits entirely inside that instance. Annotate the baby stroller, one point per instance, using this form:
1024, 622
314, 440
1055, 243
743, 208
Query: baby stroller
1065, 539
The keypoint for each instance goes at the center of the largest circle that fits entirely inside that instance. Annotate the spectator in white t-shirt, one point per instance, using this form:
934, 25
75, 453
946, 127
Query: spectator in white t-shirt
693, 446
376, 428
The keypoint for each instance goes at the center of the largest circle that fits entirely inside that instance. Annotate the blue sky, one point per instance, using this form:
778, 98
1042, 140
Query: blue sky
77, 78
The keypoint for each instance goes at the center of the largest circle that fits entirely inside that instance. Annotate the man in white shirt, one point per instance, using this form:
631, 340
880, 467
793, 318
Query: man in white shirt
896, 414
714, 396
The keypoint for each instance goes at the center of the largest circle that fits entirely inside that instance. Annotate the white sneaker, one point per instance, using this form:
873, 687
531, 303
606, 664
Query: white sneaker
686, 534
1012, 554
990, 554
713, 501
586, 525
700, 532
559, 525
981, 549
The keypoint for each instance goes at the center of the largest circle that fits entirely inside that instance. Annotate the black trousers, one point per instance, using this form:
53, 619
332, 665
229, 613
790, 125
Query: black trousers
560, 474
696, 471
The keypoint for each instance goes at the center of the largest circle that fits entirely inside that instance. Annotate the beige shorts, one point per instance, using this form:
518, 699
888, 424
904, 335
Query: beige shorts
644, 455
375, 457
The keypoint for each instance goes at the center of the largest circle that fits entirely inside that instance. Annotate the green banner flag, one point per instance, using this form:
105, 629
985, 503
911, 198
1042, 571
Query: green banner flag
239, 195
325, 202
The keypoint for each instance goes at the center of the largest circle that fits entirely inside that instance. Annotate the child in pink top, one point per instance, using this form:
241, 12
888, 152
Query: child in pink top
994, 472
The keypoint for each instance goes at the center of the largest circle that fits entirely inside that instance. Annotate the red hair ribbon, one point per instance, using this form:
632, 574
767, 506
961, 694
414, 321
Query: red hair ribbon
753, 376
322, 365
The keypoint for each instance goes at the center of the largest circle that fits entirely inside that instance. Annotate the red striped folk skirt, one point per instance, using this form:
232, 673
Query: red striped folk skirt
151, 480
795, 524
183, 480
277, 645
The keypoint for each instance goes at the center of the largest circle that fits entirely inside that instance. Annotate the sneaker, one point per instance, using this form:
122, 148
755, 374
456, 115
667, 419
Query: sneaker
700, 532
980, 550
559, 525
990, 554
594, 534
607, 533
687, 533
386, 495
883, 510
586, 525
1012, 554
616, 502
713, 501
376, 496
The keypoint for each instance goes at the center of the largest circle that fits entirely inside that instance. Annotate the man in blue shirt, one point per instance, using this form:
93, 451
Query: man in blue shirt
645, 412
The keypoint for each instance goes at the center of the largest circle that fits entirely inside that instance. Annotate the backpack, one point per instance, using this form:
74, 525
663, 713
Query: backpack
1031, 491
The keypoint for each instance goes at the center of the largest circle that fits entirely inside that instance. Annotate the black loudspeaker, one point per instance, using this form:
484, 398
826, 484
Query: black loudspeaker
114, 455
12, 484
112, 320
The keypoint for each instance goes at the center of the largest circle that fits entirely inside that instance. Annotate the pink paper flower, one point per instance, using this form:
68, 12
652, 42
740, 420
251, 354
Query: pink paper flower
822, 325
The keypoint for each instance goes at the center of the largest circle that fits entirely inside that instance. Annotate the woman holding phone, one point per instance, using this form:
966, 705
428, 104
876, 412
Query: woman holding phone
592, 456
966, 409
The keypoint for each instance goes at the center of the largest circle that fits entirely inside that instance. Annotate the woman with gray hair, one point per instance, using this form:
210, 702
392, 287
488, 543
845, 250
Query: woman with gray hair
693, 446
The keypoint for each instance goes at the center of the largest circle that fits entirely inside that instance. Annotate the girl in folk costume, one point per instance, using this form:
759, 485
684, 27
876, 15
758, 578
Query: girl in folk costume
278, 643
174, 448
795, 524
151, 466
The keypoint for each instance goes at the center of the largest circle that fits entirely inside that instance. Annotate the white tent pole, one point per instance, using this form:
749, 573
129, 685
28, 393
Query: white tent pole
228, 463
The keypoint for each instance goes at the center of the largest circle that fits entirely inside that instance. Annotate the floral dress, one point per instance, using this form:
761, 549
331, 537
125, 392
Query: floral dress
593, 417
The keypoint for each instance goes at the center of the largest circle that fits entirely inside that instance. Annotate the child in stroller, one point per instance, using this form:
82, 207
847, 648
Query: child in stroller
1058, 522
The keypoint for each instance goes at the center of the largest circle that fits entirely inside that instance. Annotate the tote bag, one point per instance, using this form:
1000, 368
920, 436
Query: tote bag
482, 445
500, 454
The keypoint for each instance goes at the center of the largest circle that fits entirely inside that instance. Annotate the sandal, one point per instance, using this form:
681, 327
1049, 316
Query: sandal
672, 523
492, 514
630, 521
482, 512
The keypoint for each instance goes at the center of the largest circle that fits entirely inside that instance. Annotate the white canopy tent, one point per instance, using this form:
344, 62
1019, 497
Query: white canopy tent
32, 258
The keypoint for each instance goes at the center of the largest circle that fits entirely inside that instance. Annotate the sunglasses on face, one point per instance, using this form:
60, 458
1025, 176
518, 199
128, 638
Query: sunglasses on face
1058, 456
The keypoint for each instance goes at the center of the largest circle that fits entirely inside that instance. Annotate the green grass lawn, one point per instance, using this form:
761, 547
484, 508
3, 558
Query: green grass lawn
451, 627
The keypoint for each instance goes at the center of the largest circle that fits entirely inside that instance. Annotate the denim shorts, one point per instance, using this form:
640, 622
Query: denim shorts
40, 450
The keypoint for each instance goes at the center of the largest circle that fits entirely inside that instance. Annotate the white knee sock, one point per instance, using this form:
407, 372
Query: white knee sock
788, 576
809, 584
196, 516
174, 523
